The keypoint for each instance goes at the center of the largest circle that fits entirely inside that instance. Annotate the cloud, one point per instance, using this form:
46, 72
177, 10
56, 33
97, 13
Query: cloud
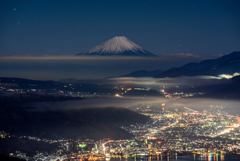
184, 80
230, 106
100, 102
50, 57
71, 57
156, 82
228, 76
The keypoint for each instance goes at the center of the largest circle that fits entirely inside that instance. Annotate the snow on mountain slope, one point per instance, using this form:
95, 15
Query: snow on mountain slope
118, 45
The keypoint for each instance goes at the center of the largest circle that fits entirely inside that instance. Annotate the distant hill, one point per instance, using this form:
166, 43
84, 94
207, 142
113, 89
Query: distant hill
236, 79
225, 91
227, 64
218, 91
143, 73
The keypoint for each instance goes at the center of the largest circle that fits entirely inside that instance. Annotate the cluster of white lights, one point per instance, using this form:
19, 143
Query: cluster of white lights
228, 76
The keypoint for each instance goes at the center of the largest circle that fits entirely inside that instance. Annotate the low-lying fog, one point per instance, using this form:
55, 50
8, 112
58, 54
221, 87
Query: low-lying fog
86, 67
230, 106
183, 80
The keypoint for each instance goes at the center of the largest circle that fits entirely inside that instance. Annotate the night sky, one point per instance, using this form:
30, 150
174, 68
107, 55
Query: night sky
63, 27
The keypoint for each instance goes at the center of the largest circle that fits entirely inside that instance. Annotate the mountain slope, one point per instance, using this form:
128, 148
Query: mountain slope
118, 45
174, 72
205, 63
227, 67
228, 64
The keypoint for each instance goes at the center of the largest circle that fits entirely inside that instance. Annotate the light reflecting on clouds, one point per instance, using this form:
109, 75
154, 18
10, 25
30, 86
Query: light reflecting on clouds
230, 106
184, 80
228, 76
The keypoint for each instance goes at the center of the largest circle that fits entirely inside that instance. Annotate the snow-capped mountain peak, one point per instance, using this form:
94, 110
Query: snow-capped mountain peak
119, 45
116, 45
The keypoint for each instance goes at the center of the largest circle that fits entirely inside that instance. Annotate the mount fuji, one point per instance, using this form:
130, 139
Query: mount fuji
119, 46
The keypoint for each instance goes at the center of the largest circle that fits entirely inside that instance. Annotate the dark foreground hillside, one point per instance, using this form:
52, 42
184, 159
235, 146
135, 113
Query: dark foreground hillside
29, 97
92, 123
13, 144
6, 158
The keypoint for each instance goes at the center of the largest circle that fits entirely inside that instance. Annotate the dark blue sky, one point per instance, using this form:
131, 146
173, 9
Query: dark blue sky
64, 27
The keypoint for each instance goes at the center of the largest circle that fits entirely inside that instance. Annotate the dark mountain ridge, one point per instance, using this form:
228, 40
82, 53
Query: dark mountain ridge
30, 97
228, 64
222, 65
208, 62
